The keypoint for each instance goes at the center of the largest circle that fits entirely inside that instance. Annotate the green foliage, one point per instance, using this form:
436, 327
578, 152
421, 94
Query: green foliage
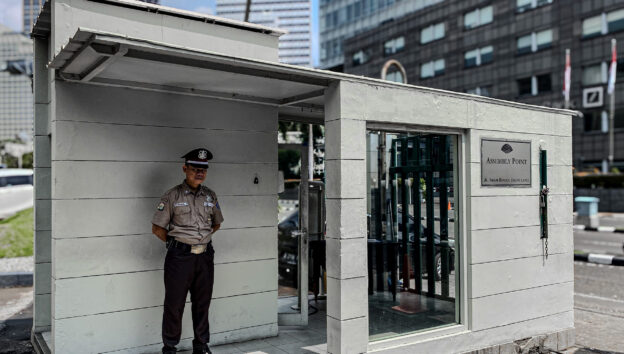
287, 161
599, 181
27, 160
16, 235
9, 161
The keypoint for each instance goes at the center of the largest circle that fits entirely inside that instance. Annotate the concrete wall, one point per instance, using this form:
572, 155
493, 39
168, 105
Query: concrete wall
73, 14
114, 153
509, 290
42, 184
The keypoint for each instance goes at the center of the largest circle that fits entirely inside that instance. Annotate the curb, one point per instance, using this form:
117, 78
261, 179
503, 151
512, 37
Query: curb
599, 228
11, 279
599, 259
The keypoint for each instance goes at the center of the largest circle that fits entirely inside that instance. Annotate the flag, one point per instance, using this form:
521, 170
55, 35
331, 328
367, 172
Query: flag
613, 68
567, 77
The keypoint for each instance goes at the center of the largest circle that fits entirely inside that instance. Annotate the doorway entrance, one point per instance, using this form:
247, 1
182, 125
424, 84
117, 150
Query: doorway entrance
301, 243
412, 243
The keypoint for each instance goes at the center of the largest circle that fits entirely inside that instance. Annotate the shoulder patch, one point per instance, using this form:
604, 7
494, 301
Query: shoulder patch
161, 206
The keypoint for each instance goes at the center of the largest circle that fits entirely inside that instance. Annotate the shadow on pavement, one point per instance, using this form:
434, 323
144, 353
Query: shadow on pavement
594, 351
15, 335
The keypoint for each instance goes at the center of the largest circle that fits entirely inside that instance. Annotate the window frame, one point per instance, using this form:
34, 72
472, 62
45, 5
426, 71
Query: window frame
478, 13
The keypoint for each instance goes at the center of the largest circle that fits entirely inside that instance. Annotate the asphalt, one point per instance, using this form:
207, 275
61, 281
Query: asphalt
598, 299
16, 320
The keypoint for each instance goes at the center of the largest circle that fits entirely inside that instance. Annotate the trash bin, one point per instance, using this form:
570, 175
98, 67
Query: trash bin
587, 208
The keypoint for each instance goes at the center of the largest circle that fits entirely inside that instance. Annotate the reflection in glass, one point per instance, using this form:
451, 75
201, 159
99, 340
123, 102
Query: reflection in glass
412, 248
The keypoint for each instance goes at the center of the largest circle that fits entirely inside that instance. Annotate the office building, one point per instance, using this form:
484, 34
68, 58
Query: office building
16, 97
341, 19
293, 16
513, 50
30, 11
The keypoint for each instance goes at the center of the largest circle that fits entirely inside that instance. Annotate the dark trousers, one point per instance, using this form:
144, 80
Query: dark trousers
185, 271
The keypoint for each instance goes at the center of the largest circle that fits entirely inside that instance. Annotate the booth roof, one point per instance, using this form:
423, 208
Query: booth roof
42, 25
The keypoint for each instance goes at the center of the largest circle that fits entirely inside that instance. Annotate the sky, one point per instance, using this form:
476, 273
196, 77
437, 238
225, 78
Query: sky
11, 14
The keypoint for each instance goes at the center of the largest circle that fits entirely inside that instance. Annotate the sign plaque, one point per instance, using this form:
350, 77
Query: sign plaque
505, 163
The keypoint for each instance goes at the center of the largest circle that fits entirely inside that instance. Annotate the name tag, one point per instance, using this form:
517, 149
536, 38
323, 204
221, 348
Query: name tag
180, 204
208, 204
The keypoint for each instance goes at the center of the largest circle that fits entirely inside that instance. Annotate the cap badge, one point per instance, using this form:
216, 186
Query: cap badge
203, 154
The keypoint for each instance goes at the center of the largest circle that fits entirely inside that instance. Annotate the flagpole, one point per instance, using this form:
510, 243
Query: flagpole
612, 103
567, 81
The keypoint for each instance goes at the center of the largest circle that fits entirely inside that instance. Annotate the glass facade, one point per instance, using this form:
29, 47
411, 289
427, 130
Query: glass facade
16, 96
293, 16
413, 284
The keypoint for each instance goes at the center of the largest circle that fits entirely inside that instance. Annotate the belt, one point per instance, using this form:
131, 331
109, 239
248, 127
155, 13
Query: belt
195, 249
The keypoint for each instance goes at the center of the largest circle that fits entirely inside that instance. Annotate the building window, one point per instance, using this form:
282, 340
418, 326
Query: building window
431, 33
534, 85
597, 120
432, 68
615, 21
481, 91
535, 41
595, 74
478, 17
603, 24
395, 76
394, 45
524, 5
478, 56
360, 57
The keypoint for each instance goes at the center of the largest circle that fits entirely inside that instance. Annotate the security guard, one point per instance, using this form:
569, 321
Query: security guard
186, 217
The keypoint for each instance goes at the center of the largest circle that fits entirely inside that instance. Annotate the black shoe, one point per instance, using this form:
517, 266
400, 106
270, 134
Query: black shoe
169, 350
201, 349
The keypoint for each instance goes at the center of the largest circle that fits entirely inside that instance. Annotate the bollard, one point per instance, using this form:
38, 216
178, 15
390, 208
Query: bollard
587, 208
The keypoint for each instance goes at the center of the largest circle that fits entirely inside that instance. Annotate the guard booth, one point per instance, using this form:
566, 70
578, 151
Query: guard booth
448, 216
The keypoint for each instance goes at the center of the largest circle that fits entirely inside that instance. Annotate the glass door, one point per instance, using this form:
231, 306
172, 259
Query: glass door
293, 249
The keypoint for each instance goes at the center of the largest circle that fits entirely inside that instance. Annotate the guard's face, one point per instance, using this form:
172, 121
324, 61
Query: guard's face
194, 175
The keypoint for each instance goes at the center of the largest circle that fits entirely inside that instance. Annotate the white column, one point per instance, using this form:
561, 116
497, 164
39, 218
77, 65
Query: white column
42, 192
345, 168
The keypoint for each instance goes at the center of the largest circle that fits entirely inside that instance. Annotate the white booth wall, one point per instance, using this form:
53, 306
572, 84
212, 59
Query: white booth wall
509, 290
114, 153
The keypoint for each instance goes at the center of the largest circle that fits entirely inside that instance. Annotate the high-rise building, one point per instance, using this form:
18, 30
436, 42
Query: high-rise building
513, 50
30, 11
341, 19
16, 97
293, 16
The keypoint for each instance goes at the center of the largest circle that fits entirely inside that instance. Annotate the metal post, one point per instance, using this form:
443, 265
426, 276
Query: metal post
247, 10
310, 153
611, 126
612, 103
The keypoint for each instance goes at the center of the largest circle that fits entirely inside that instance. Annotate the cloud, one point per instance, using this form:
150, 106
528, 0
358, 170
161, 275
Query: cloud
11, 14
205, 10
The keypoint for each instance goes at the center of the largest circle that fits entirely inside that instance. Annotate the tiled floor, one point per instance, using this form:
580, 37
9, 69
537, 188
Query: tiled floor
291, 340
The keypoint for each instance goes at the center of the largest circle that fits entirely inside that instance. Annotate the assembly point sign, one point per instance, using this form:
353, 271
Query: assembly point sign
505, 163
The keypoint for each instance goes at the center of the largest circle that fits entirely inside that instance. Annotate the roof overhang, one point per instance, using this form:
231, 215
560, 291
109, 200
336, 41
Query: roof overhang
42, 24
99, 58
93, 57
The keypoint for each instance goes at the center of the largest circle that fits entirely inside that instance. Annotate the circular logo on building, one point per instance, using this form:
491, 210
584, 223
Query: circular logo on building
507, 148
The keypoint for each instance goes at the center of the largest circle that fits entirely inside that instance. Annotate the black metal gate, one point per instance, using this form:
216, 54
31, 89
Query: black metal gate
422, 166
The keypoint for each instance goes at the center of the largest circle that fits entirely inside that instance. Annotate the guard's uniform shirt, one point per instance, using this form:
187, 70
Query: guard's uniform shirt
189, 215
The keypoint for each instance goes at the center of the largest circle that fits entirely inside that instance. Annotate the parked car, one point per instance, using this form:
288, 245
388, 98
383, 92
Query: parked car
423, 244
15, 176
288, 249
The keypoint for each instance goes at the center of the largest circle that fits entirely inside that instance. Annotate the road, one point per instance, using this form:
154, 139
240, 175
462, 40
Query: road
599, 306
599, 242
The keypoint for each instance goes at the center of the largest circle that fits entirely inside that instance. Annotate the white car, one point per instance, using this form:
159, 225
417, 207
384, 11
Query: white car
16, 191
